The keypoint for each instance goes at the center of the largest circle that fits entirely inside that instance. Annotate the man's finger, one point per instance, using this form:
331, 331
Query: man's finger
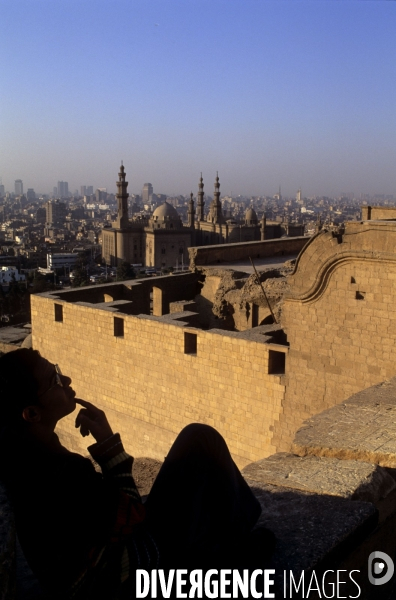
91, 407
85, 403
84, 423
83, 415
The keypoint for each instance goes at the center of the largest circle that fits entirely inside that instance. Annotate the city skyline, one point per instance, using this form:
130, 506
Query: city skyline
266, 93
159, 197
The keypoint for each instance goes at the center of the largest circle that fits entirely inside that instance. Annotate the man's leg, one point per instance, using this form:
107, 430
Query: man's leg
199, 500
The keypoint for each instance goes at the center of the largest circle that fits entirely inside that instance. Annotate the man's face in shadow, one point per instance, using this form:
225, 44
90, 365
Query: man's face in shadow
55, 397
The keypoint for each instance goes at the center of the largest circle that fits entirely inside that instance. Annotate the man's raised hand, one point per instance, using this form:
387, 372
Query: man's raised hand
92, 420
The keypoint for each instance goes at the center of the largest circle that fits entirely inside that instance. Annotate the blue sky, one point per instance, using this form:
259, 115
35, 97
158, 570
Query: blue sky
266, 92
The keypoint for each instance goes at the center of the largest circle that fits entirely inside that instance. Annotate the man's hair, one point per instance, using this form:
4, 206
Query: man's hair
18, 386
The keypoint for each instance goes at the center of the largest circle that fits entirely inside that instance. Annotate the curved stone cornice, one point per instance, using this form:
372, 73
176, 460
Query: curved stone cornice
307, 245
330, 265
325, 252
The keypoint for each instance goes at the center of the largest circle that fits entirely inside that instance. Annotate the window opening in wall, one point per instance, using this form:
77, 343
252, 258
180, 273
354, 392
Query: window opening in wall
118, 327
255, 315
353, 280
360, 295
276, 362
190, 343
151, 300
58, 313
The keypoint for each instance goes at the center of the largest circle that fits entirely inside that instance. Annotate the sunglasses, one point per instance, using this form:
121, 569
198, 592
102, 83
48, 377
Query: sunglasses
58, 381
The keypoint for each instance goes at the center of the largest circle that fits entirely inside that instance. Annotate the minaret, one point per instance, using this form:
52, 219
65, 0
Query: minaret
191, 211
122, 200
201, 202
217, 216
262, 226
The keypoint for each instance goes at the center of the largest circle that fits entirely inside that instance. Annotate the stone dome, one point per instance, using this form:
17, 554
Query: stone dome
166, 211
251, 215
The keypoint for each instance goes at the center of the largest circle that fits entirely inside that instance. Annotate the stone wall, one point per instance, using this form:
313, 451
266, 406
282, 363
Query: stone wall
204, 255
135, 294
340, 321
165, 249
378, 212
150, 387
122, 244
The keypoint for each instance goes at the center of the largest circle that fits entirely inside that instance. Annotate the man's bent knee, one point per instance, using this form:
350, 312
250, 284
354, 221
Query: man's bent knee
199, 430
201, 436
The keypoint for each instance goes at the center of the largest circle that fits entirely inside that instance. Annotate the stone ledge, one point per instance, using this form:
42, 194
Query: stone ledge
361, 428
348, 479
314, 532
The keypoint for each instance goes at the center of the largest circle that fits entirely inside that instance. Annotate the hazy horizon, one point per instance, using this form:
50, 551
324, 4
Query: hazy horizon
297, 94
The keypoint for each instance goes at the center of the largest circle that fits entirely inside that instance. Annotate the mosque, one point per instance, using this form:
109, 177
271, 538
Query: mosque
162, 240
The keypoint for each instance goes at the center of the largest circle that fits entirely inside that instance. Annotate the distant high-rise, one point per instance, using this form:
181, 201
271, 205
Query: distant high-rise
18, 187
31, 194
63, 189
86, 190
101, 195
147, 193
55, 212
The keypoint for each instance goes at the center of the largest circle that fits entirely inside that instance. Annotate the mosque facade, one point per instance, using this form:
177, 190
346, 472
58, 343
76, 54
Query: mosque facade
162, 240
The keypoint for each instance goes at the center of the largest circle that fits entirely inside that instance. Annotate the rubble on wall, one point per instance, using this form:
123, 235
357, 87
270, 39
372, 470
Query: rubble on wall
227, 296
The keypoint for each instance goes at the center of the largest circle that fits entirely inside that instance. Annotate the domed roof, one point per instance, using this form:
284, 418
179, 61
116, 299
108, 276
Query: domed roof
250, 215
165, 210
